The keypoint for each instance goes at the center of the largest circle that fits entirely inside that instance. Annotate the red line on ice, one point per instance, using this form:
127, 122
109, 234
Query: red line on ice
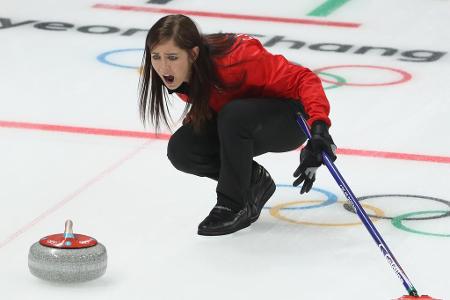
225, 15
164, 136
83, 130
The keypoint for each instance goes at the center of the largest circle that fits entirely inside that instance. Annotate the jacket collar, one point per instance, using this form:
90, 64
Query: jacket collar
182, 89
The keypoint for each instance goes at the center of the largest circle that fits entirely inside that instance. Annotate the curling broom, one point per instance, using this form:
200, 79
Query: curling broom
412, 292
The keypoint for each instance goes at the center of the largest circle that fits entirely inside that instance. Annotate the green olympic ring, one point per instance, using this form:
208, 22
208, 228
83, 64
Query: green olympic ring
444, 214
397, 222
340, 81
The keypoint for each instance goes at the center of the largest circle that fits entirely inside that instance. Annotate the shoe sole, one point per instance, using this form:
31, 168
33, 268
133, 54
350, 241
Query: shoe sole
224, 232
267, 194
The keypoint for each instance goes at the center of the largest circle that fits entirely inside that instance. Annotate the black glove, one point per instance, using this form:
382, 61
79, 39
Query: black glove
311, 155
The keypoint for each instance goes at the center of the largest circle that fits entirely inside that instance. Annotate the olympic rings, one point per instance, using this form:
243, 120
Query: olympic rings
331, 198
443, 215
340, 81
397, 222
377, 214
103, 58
275, 212
405, 75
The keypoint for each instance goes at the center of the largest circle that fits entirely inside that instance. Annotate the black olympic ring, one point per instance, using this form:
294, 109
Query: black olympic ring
348, 207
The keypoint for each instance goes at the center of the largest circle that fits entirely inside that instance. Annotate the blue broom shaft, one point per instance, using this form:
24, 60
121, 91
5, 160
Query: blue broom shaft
363, 216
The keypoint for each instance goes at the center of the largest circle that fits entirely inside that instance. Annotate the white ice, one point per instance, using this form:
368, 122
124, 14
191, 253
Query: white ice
125, 193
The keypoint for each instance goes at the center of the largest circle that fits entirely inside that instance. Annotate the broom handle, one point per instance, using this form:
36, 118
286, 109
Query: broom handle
362, 215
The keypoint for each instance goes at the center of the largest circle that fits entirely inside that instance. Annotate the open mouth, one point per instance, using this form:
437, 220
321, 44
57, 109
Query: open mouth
169, 79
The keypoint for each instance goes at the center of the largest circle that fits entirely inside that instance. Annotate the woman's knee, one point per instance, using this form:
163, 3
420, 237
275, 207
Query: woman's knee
175, 152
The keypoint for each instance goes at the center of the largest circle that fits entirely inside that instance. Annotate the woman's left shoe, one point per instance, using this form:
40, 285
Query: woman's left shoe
223, 220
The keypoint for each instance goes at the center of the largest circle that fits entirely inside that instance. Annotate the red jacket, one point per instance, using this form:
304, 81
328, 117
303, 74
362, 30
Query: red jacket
267, 75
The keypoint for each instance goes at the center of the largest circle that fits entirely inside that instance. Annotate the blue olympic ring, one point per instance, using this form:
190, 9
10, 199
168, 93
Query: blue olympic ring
103, 57
331, 198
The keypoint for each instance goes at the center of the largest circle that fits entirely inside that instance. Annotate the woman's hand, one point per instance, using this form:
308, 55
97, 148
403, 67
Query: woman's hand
311, 155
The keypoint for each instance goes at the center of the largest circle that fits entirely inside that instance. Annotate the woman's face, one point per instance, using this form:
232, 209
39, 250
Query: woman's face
172, 63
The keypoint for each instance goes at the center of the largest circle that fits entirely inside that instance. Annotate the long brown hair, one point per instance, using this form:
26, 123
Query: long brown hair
153, 96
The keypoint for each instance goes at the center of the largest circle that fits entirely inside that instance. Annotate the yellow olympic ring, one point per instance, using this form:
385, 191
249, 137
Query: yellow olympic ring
275, 212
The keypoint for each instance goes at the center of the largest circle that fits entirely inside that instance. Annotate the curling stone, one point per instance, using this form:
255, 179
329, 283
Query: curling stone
67, 257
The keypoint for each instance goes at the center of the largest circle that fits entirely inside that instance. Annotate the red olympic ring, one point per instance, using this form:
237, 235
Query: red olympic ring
405, 75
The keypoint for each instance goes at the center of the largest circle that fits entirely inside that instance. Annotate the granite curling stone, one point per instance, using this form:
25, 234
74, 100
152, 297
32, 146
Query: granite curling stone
67, 257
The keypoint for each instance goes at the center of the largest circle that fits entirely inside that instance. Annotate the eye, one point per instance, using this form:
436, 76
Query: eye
172, 57
155, 57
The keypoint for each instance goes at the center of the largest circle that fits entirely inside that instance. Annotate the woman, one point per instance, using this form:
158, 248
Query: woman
242, 102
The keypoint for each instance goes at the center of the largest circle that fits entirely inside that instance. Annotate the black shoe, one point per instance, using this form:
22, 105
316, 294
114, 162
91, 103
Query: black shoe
262, 187
223, 220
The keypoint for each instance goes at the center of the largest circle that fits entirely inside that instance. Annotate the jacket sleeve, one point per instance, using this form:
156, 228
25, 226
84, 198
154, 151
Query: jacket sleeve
286, 80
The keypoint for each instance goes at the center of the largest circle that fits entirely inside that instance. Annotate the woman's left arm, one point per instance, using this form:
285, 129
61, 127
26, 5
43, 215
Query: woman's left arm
287, 80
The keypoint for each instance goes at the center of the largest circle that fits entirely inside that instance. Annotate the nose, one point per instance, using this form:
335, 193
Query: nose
165, 66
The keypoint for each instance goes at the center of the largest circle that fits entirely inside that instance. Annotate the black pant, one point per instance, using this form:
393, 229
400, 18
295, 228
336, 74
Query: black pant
225, 147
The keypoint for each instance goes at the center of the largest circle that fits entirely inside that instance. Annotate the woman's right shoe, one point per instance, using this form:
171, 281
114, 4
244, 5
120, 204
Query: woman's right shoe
223, 220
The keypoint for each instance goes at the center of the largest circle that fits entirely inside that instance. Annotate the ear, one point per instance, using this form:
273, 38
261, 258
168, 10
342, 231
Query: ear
194, 53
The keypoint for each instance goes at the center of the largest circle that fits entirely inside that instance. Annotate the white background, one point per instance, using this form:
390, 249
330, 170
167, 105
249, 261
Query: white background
124, 192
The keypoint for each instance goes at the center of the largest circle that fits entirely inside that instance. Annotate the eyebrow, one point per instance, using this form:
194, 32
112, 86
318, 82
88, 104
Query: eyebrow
165, 53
